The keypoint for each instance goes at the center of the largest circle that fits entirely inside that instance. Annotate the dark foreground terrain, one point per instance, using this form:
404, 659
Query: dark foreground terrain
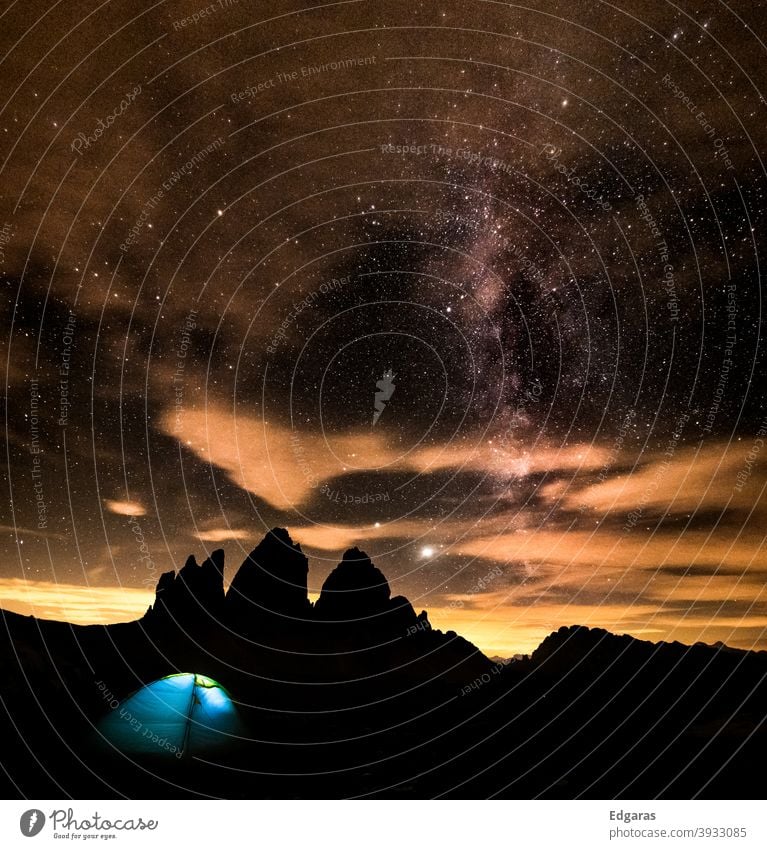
357, 695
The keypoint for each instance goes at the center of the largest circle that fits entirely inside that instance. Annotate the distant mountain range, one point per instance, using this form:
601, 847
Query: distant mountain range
357, 695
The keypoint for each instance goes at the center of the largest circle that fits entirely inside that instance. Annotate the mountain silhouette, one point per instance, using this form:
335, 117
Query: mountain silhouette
195, 590
270, 586
268, 600
357, 694
355, 588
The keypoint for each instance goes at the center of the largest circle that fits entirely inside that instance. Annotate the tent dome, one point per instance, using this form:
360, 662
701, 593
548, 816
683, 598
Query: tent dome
181, 714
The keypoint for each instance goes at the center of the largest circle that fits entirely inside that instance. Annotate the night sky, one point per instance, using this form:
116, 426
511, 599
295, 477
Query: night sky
537, 232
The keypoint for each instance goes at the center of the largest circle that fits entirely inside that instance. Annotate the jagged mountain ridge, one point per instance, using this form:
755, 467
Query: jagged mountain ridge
269, 591
266, 623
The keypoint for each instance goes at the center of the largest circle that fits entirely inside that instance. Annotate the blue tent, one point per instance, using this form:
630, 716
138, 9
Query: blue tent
181, 714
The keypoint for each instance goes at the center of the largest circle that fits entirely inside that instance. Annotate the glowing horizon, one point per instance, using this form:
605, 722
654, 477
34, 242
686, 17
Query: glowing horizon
495, 628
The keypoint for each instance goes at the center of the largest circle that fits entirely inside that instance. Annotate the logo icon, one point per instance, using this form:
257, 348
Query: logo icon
385, 388
32, 822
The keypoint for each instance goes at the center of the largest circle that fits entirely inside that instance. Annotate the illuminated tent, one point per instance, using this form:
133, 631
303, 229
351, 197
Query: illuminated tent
181, 714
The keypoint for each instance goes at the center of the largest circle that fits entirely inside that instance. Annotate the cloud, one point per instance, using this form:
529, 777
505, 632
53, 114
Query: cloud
125, 508
284, 467
506, 459
223, 534
73, 603
605, 548
649, 580
690, 480
18, 531
328, 537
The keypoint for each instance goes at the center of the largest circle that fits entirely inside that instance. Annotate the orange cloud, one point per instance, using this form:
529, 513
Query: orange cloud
605, 547
73, 603
223, 534
688, 480
284, 466
125, 508
505, 459
327, 537
280, 465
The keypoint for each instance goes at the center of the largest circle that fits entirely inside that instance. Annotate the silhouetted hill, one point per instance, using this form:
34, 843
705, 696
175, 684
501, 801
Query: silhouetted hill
592, 646
358, 695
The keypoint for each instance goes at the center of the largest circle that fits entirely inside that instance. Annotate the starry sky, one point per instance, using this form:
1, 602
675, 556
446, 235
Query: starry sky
473, 285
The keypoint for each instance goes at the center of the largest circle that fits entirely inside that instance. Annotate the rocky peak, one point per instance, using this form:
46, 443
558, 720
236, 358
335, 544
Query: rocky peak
192, 592
354, 589
271, 583
269, 594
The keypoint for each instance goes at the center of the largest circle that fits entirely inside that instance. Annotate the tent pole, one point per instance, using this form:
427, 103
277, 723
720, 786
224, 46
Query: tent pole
189, 716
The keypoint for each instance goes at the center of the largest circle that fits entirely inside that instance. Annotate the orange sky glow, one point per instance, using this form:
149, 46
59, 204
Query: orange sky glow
690, 565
